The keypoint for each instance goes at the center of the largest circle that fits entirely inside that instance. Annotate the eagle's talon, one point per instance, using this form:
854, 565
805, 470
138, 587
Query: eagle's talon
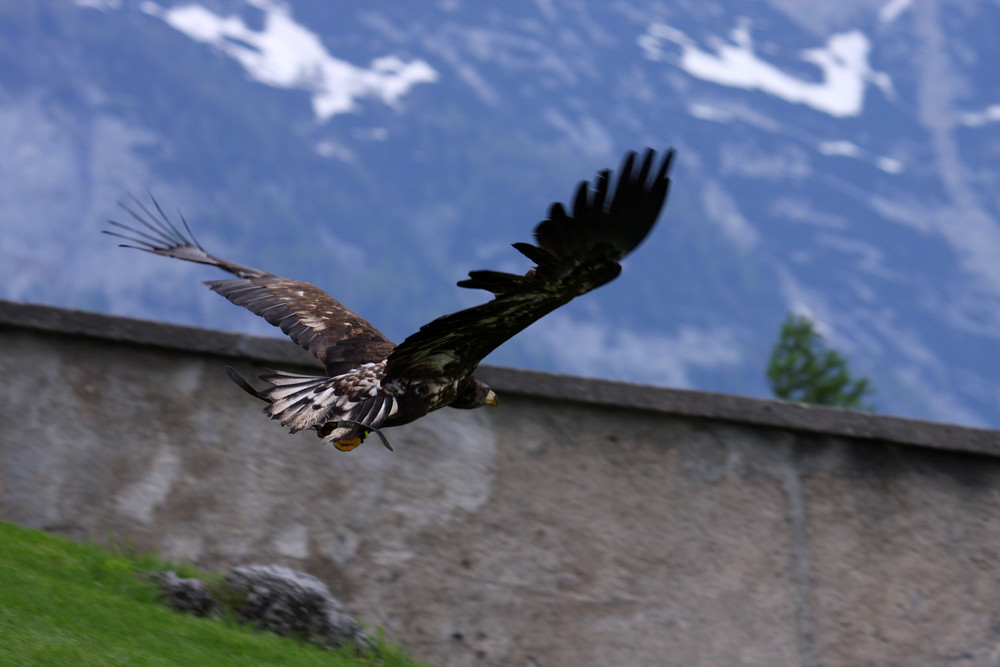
348, 444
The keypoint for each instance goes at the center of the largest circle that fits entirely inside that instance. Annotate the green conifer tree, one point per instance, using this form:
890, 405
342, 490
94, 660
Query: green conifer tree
803, 369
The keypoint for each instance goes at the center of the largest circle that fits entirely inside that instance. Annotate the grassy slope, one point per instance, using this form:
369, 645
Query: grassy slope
63, 603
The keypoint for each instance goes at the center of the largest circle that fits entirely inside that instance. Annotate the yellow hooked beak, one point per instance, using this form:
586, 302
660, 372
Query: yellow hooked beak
491, 399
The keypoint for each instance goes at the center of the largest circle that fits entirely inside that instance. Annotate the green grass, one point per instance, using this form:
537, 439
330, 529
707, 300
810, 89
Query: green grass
63, 603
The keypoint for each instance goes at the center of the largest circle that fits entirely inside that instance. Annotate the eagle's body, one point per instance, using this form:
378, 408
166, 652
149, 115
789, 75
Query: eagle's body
372, 383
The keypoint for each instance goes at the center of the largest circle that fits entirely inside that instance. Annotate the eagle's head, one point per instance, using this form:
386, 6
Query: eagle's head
473, 393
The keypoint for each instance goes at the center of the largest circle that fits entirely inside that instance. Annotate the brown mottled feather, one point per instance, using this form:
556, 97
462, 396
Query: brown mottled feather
339, 338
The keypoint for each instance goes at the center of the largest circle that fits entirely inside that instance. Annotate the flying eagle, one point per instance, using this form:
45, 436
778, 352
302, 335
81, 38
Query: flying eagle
371, 383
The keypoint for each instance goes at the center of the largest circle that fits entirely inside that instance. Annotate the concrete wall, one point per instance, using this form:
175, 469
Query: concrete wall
582, 523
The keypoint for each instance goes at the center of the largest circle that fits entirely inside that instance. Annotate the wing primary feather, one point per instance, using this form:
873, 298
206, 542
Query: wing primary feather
557, 213
543, 258
601, 189
151, 243
162, 225
665, 167
178, 235
311, 317
493, 281
574, 254
580, 202
163, 216
156, 235
647, 164
620, 198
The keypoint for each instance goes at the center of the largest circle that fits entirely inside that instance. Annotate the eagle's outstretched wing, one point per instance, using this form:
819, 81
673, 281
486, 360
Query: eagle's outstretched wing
339, 338
575, 253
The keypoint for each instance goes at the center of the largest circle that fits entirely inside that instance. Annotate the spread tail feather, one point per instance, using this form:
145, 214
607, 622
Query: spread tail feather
308, 401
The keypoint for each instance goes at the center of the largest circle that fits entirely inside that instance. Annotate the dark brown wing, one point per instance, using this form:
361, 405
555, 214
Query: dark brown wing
339, 338
575, 254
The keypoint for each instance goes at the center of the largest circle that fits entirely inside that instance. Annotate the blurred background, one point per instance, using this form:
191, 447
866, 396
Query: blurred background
837, 159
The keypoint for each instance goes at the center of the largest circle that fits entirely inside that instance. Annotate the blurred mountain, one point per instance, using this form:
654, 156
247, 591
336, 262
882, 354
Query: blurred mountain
836, 158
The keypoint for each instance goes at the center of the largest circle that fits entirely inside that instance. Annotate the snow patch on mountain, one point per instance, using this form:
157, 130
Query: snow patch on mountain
102, 5
845, 148
850, 149
990, 114
889, 165
708, 112
843, 63
892, 9
731, 111
724, 211
285, 54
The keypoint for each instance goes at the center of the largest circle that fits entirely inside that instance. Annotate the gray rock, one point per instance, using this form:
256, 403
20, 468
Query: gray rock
294, 604
187, 595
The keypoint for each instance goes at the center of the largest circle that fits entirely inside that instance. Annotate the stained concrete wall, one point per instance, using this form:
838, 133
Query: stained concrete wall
582, 523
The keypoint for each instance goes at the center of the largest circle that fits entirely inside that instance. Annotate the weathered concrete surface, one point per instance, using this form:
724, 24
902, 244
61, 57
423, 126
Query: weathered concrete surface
564, 528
